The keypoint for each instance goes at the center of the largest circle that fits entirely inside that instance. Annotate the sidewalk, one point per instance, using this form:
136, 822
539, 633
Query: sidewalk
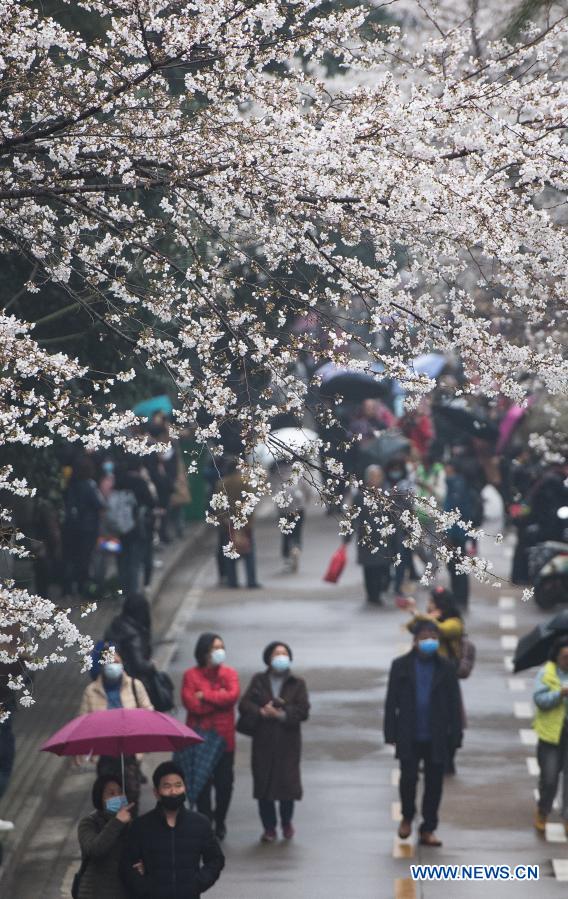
37, 776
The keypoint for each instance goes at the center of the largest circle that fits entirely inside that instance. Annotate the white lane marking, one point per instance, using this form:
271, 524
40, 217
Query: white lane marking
517, 685
560, 867
507, 622
528, 737
532, 766
523, 709
395, 811
509, 641
395, 777
555, 833
507, 602
508, 663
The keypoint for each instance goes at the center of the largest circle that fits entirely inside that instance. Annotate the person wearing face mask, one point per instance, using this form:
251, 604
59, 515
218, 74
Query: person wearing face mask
210, 692
101, 838
113, 688
423, 720
274, 706
170, 852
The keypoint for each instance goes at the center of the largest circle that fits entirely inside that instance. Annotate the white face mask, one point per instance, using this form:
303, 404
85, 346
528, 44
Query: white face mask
112, 672
280, 664
218, 656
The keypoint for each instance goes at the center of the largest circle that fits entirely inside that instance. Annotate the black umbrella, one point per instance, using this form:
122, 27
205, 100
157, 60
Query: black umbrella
534, 648
353, 385
475, 424
382, 449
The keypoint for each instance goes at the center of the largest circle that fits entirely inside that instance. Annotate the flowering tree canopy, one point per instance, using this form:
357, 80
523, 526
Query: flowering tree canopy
195, 175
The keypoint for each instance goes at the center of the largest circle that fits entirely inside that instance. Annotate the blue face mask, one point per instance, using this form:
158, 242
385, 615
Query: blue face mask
429, 646
280, 664
112, 672
115, 803
108, 467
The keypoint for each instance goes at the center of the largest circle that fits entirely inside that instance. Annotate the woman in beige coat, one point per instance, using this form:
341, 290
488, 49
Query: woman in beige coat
115, 689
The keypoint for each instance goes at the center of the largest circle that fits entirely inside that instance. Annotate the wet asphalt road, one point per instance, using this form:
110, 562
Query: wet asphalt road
345, 830
345, 846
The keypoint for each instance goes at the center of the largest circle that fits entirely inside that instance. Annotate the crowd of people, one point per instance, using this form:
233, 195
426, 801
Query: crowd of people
172, 850
111, 512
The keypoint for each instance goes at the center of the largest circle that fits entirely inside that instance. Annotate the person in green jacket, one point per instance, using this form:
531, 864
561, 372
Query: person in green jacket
101, 838
551, 725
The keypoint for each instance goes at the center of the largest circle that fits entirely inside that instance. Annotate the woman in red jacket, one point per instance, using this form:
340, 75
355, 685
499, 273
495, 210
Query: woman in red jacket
210, 692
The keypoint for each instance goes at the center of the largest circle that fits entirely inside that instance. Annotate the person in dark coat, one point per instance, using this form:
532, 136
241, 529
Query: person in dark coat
274, 706
101, 838
84, 504
131, 634
376, 565
170, 852
423, 721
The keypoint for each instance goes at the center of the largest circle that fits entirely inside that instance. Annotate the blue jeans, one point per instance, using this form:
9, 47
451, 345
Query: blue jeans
553, 762
267, 812
7, 754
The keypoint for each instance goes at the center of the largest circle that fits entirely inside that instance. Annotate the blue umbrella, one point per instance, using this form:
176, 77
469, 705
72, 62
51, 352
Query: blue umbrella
198, 762
148, 408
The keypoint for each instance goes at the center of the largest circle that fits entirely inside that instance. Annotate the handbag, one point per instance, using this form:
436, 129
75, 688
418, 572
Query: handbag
246, 725
160, 689
336, 565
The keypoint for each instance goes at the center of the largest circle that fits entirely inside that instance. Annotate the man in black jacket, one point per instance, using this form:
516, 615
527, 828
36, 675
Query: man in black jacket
423, 720
170, 853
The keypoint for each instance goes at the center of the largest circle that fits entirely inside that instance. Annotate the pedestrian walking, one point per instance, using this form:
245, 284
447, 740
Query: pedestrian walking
445, 614
102, 838
84, 504
130, 633
374, 552
170, 852
232, 488
458, 496
272, 711
113, 688
551, 725
423, 721
210, 692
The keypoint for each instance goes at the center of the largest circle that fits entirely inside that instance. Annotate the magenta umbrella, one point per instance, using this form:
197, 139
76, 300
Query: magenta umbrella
120, 732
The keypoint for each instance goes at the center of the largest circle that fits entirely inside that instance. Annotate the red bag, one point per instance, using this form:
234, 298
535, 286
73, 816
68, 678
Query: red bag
336, 565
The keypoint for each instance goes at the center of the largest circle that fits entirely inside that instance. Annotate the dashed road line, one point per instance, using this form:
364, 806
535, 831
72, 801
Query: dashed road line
395, 777
507, 622
517, 685
532, 766
402, 848
509, 641
507, 602
508, 663
555, 833
396, 811
560, 868
404, 888
523, 710
528, 737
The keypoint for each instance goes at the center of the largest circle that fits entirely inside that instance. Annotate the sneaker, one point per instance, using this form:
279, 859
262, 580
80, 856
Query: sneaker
288, 831
269, 836
540, 821
6, 825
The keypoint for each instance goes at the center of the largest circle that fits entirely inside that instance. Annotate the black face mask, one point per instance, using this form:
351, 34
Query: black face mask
172, 803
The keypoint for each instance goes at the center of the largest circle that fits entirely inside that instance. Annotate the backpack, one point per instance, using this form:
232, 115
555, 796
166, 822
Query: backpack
120, 516
466, 658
